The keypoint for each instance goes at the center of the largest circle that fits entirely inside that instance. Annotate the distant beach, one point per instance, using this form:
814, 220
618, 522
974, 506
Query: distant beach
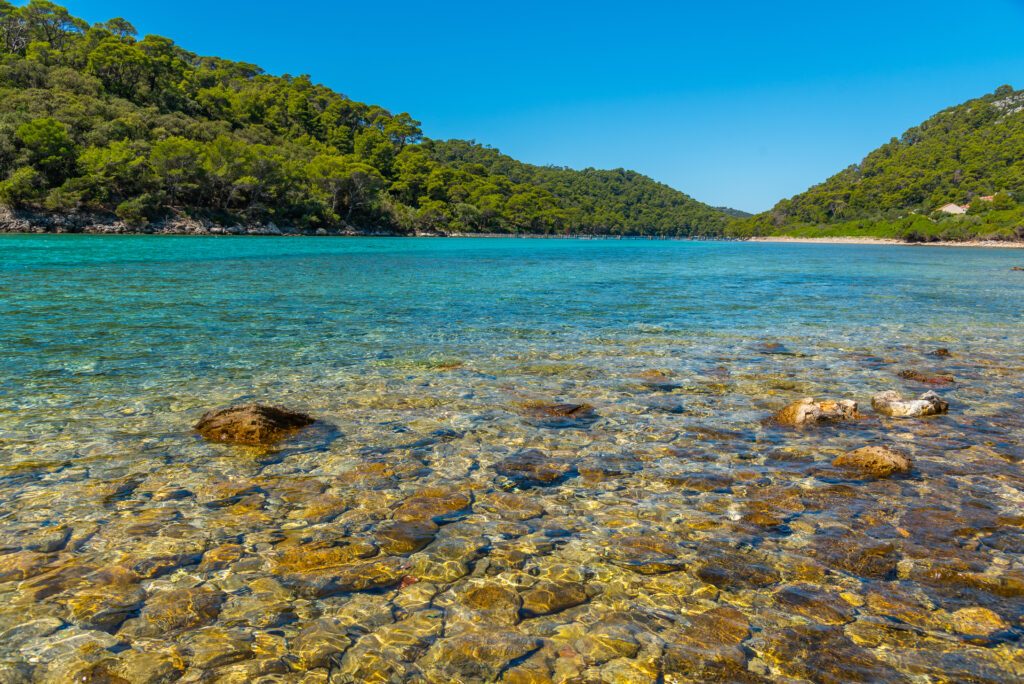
888, 241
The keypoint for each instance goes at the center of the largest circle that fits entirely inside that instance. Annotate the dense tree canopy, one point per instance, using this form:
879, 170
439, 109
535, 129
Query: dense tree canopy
959, 156
93, 118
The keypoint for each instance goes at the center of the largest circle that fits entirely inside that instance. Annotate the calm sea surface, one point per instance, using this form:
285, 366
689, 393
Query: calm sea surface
677, 534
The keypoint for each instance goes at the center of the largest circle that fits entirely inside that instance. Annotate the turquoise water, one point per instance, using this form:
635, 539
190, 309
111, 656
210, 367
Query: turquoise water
416, 356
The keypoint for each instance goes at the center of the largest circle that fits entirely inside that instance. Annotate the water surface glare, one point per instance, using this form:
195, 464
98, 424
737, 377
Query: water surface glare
435, 526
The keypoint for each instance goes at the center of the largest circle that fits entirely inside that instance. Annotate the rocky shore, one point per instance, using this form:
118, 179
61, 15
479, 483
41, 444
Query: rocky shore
104, 224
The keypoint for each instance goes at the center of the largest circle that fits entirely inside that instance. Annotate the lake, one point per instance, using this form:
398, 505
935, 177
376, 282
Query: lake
440, 522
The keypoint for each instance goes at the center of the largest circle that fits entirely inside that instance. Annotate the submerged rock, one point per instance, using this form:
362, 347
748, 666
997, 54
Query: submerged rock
977, 622
709, 648
657, 380
776, 348
308, 559
533, 468
879, 461
22, 565
892, 403
479, 656
821, 654
321, 643
701, 482
722, 625
808, 411
109, 603
646, 554
734, 570
927, 378
150, 666
552, 597
606, 641
377, 574
250, 424
437, 504
174, 610
814, 603
405, 536
858, 554
558, 415
496, 602
512, 506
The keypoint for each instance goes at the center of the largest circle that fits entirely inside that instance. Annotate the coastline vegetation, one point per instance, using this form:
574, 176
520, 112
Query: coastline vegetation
970, 156
95, 119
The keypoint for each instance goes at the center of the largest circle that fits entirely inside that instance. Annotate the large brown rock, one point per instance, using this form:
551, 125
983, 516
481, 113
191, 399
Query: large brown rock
250, 424
878, 461
892, 404
809, 411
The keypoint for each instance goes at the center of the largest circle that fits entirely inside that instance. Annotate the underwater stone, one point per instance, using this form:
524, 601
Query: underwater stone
479, 656
176, 609
546, 414
976, 622
533, 468
814, 603
879, 461
545, 598
926, 378
250, 424
497, 602
405, 536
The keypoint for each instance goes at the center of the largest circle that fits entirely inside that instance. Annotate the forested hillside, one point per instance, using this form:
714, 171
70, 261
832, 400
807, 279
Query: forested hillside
617, 200
971, 155
95, 119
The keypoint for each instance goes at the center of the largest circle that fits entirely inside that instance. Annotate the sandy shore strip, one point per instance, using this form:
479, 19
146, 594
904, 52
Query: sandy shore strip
888, 241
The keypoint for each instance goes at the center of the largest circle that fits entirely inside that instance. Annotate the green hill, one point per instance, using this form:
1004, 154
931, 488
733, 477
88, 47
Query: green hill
95, 120
617, 201
958, 156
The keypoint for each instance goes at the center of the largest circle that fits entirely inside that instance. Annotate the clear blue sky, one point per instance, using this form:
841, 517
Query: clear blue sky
735, 103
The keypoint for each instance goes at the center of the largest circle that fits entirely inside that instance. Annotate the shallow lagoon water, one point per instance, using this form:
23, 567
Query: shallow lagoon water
681, 538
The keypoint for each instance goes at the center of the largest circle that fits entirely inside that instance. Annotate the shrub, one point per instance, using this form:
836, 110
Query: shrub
23, 188
137, 211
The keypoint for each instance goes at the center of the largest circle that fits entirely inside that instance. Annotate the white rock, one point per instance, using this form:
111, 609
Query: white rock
891, 403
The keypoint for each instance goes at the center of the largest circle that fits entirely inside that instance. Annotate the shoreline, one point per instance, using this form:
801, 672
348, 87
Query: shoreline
30, 223
260, 231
